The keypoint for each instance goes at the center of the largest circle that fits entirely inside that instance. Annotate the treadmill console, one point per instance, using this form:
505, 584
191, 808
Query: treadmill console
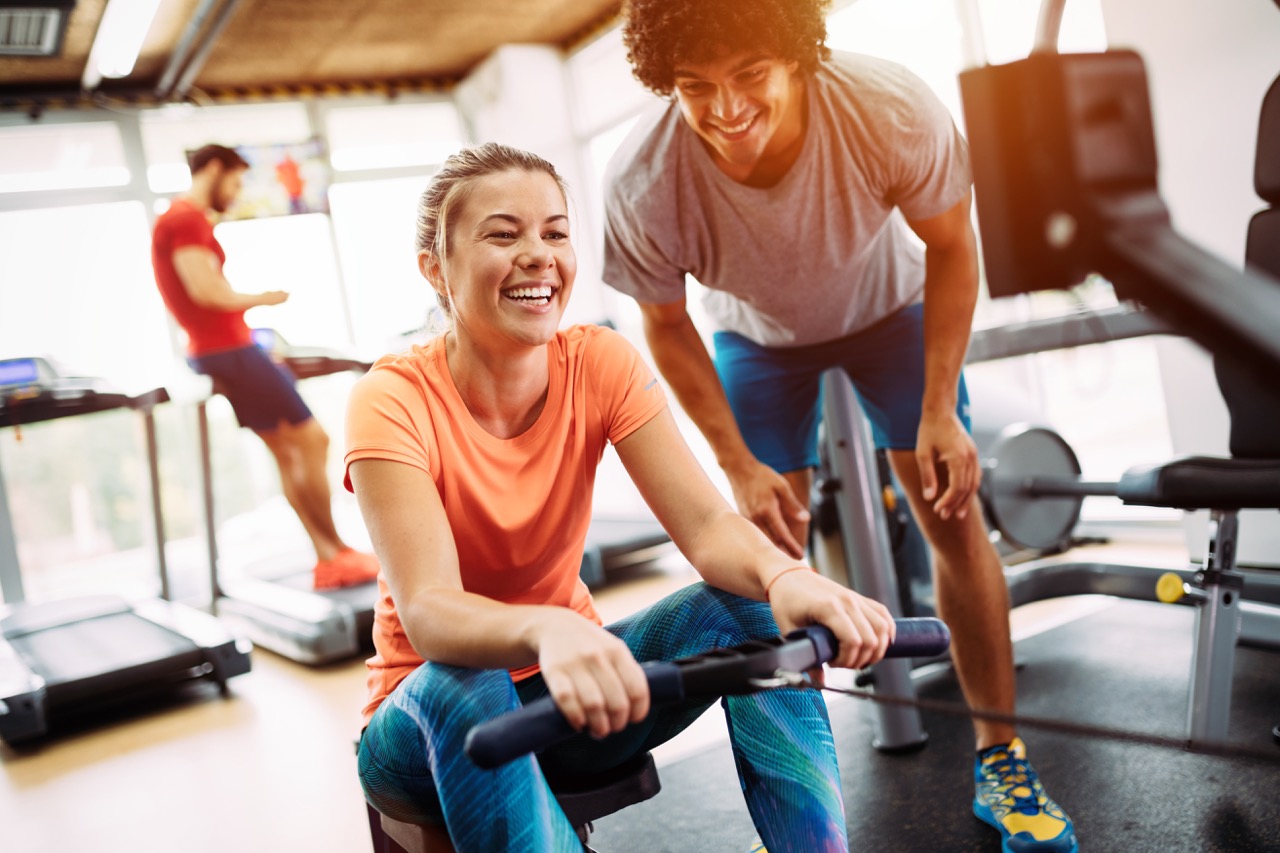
19, 375
307, 362
34, 389
23, 379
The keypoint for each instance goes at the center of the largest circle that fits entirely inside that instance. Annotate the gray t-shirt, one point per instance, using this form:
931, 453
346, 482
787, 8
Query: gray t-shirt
823, 253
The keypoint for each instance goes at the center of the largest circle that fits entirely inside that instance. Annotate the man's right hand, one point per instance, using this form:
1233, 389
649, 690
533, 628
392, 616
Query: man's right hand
764, 496
273, 297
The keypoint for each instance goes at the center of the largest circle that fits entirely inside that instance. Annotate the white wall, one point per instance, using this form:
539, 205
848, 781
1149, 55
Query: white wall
1209, 65
519, 96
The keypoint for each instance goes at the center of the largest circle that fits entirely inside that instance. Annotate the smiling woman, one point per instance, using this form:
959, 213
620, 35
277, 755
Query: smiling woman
510, 247
474, 459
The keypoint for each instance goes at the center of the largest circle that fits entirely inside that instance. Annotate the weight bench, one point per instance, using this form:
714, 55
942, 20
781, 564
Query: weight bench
1217, 590
584, 799
1032, 494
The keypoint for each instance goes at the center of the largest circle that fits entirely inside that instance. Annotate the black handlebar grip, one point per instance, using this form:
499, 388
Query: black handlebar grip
917, 637
540, 725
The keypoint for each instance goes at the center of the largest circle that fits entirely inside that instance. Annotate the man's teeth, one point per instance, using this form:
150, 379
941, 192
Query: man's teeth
737, 128
528, 293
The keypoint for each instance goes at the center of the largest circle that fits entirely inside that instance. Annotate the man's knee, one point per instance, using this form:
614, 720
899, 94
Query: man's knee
311, 436
307, 436
962, 544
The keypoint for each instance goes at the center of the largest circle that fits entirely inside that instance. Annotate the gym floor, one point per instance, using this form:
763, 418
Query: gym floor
272, 766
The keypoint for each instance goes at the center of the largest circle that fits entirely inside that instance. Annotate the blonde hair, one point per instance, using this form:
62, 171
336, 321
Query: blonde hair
449, 187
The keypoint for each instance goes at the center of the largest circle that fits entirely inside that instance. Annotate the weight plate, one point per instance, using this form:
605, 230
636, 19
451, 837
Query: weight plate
1019, 453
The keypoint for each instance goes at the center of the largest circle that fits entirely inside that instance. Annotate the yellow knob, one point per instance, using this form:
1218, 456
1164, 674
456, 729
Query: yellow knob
890, 498
1169, 588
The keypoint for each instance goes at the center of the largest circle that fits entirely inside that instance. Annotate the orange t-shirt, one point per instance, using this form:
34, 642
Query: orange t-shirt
519, 508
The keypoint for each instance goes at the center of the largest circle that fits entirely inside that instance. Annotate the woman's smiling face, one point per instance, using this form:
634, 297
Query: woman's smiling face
509, 265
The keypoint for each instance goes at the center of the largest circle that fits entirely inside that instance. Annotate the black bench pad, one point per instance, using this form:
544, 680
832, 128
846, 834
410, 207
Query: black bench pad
1204, 482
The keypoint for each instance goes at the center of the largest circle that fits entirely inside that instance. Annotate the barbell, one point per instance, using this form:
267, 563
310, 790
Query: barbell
1032, 489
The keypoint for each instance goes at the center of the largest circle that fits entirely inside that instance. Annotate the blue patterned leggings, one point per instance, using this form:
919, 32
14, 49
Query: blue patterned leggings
413, 769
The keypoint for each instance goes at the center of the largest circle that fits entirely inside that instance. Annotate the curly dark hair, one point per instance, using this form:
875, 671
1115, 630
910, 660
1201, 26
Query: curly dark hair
661, 34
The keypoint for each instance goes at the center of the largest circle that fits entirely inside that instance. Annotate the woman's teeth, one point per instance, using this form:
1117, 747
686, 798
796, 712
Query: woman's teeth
535, 295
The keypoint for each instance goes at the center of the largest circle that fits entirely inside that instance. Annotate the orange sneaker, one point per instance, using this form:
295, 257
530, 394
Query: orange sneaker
349, 568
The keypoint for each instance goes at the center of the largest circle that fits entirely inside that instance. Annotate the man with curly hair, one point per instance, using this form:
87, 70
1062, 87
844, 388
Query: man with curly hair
788, 181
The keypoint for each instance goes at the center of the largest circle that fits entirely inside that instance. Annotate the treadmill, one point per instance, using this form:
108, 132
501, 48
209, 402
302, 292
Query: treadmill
615, 542
70, 655
275, 605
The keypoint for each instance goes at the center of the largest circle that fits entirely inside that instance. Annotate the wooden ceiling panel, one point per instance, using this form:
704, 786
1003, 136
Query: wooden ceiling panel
269, 43
330, 41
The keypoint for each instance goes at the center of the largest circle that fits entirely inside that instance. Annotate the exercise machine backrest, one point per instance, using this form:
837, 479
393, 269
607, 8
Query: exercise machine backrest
1064, 163
1252, 396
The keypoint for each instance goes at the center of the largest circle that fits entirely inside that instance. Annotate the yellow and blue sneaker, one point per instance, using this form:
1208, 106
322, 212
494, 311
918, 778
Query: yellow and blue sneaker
1010, 798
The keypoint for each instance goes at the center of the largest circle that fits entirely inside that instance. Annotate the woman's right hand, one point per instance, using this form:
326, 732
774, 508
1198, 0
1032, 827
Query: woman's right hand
590, 674
862, 626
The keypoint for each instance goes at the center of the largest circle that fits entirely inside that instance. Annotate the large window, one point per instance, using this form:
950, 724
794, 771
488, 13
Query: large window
77, 288
61, 156
294, 254
392, 135
375, 222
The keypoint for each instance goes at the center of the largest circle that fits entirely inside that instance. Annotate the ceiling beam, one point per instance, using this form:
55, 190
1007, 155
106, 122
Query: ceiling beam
193, 49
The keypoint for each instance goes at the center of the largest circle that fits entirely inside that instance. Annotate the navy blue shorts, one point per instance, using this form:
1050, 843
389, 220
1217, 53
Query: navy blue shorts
776, 393
262, 392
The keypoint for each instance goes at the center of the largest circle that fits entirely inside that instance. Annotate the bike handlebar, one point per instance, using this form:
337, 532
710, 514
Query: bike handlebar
540, 725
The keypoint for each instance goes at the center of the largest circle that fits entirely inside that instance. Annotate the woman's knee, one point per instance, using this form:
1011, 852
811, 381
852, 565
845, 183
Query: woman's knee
449, 700
730, 618
429, 715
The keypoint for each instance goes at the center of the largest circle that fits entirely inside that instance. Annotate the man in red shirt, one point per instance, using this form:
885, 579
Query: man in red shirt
188, 266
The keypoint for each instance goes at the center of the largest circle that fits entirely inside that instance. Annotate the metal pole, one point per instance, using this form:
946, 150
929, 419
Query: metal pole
10, 569
157, 511
201, 55
1217, 626
1048, 26
206, 481
867, 555
973, 41
180, 53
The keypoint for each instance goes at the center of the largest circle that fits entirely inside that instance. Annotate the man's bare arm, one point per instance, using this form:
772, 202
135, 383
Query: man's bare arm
684, 362
201, 275
950, 294
761, 493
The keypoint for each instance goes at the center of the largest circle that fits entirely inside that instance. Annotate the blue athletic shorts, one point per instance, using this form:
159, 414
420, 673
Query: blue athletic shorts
262, 392
776, 393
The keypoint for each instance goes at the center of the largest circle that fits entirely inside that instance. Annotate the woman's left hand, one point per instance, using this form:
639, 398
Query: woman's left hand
863, 627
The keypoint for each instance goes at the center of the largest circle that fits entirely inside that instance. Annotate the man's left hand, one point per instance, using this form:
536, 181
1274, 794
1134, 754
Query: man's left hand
943, 444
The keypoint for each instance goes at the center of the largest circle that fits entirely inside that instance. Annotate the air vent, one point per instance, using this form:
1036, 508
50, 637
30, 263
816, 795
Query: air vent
33, 29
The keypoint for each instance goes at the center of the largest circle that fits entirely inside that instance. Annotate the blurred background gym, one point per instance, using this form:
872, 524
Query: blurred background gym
367, 99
